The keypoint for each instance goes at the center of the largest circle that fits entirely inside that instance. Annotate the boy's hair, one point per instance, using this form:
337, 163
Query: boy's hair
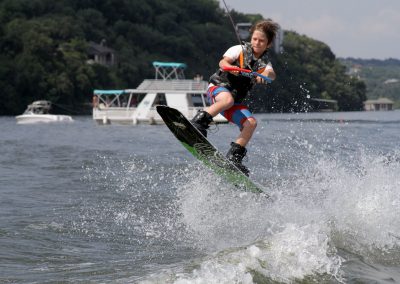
269, 27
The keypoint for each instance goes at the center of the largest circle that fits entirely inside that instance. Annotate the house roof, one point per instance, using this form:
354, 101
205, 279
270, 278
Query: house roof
379, 101
95, 48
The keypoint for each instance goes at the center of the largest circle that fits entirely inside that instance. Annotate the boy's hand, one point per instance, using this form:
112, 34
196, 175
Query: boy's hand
236, 73
260, 80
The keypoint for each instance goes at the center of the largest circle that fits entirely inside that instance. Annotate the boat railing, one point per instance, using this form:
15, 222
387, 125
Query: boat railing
131, 113
178, 85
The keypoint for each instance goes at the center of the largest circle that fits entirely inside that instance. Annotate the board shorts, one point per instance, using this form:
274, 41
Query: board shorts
237, 114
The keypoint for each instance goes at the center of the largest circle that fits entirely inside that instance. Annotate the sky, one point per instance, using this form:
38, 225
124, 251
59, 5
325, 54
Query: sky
351, 28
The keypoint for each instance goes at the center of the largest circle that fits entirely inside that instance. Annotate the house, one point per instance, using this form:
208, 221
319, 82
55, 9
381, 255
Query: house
379, 104
100, 53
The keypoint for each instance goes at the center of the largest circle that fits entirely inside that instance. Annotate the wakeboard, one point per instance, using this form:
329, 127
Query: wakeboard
195, 142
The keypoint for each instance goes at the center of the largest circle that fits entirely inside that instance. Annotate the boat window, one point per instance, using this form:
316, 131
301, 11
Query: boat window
112, 100
136, 99
198, 101
160, 99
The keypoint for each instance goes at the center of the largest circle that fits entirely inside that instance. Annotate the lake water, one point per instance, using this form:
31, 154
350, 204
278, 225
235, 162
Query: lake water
81, 203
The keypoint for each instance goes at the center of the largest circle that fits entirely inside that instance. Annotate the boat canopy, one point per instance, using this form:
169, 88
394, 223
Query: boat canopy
169, 64
41, 103
169, 70
38, 107
109, 92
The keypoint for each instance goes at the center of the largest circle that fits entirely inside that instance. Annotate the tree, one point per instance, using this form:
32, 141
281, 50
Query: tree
43, 47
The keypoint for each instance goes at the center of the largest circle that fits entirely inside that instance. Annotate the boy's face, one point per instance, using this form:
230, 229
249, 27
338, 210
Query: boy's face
259, 42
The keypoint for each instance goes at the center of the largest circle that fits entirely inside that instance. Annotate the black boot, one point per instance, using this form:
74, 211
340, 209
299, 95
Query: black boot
202, 121
236, 155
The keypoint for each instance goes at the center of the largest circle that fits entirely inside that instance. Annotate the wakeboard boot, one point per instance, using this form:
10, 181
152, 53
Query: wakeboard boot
236, 155
202, 121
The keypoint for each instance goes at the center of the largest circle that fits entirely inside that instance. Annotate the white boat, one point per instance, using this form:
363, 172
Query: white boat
138, 106
38, 112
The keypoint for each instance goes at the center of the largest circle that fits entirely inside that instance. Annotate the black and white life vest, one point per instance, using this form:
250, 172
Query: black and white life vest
239, 86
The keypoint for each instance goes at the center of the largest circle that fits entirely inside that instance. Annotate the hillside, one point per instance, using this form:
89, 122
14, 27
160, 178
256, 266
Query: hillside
382, 77
44, 52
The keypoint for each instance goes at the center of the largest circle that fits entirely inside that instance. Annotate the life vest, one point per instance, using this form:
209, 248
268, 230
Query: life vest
239, 86
246, 59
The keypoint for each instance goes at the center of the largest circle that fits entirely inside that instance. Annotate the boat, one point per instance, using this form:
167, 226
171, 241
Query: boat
39, 112
138, 106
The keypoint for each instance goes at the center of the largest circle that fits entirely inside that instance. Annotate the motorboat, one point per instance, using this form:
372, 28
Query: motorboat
138, 106
39, 112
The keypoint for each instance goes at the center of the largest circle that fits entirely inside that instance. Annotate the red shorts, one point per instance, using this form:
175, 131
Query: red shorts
237, 114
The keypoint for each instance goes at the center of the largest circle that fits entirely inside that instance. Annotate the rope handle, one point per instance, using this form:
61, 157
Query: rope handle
247, 72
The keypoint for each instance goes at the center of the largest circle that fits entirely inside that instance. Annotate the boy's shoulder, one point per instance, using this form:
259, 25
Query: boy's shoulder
234, 51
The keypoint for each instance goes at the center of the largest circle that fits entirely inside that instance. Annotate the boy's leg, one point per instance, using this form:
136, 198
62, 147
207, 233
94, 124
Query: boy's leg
247, 131
242, 117
220, 99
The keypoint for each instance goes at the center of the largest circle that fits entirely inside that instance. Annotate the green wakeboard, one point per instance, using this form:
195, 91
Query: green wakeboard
192, 139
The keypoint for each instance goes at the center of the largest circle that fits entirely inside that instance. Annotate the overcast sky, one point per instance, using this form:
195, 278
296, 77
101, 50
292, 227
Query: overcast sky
352, 28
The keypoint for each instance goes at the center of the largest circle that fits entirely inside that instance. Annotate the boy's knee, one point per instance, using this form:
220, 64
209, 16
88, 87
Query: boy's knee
250, 122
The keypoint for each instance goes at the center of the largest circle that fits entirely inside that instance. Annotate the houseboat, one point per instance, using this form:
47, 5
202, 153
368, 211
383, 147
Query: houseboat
138, 106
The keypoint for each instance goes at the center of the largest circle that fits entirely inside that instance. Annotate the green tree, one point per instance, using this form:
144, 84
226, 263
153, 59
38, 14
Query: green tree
43, 52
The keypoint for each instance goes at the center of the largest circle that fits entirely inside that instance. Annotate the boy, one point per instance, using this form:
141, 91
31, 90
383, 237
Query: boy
227, 90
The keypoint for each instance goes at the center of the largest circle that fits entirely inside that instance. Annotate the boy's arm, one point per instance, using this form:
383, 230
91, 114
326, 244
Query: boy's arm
227, 62
270, 73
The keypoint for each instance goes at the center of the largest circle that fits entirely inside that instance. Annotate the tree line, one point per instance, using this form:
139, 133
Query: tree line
382, 77
44, 43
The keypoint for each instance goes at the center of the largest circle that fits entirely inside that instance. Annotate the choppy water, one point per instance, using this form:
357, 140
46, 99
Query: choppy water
81, 203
